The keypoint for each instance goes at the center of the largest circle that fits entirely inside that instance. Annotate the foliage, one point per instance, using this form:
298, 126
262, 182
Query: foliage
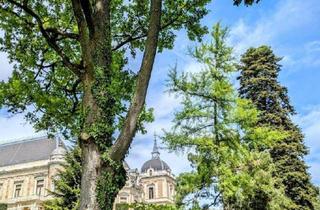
43, 81
110, 183
246, 2
143, 206
67, 183
71, 73
3, 206
259, 82
221, 135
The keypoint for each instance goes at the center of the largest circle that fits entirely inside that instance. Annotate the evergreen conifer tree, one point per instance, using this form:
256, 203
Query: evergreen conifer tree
67, 184
220, 133
259, 82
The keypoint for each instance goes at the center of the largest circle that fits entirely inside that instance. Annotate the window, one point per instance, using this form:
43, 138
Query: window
123, 199
54, 179
136, 198
151, 192
17, 189
150, 172
171, 190
39, 186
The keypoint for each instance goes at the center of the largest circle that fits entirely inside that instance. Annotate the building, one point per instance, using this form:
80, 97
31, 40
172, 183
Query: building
154, 184
28, 168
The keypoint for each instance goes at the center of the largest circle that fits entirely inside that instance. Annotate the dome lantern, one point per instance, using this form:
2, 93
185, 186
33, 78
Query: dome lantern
155, 151
59, 152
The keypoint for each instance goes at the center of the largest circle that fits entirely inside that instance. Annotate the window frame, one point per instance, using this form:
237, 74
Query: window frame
151, 189
1, 190
19, 194
41, 192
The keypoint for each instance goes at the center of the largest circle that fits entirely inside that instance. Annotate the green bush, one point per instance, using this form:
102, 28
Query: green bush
3, 206
122, 206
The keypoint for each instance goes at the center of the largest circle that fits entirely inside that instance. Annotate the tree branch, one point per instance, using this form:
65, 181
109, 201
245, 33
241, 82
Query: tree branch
51, 42
62, 34
128, 40
164, 26
121, 146
87, 11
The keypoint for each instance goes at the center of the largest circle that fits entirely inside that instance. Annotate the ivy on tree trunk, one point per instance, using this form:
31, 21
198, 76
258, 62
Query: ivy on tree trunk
71, 73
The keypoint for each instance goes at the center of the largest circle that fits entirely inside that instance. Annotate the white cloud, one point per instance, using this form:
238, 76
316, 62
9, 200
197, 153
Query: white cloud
309, 57
15, 127
193, 67
5, 67
288, 16
313, 46
164, 104
314, 171
310, 124
140, 153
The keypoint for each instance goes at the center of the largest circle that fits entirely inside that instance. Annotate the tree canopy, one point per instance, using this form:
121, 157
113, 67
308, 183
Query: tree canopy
260, 69
71, 73
220, 133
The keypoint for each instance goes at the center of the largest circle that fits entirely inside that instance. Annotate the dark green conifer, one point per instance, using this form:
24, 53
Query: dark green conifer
259, 82
67, 184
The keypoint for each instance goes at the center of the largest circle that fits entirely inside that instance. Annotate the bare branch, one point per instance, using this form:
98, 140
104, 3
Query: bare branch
122, 144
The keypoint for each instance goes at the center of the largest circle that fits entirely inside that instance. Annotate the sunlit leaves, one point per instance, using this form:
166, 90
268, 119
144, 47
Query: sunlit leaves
221, 135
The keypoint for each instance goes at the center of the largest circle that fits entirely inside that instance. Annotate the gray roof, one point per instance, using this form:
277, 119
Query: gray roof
27, 150
155, 164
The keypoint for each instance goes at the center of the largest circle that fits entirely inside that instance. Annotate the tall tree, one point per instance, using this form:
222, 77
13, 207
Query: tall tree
219, 130
71, 73
67, 183
259, 82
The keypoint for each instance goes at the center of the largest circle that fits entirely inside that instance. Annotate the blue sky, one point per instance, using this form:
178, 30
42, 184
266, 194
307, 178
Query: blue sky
290, 27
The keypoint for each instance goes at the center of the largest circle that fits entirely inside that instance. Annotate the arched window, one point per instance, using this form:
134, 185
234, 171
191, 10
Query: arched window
150, 172
171, 190
151, 192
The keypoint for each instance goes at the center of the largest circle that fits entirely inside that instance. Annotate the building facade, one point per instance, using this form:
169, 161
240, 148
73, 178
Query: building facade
28, 168
154, 183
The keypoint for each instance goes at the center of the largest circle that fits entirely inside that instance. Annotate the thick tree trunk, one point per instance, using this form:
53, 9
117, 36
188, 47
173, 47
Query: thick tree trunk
91, 171
91, 157
97, 53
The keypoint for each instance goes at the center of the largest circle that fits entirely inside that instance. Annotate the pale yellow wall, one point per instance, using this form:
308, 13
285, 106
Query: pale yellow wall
161, 181
48, 170
27, 173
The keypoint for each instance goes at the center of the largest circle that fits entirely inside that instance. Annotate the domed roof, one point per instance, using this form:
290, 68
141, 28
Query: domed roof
59, 152
155, 163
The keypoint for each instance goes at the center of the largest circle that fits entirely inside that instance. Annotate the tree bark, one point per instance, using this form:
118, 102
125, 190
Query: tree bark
121, 146
97, 53
91, 170
91, 157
